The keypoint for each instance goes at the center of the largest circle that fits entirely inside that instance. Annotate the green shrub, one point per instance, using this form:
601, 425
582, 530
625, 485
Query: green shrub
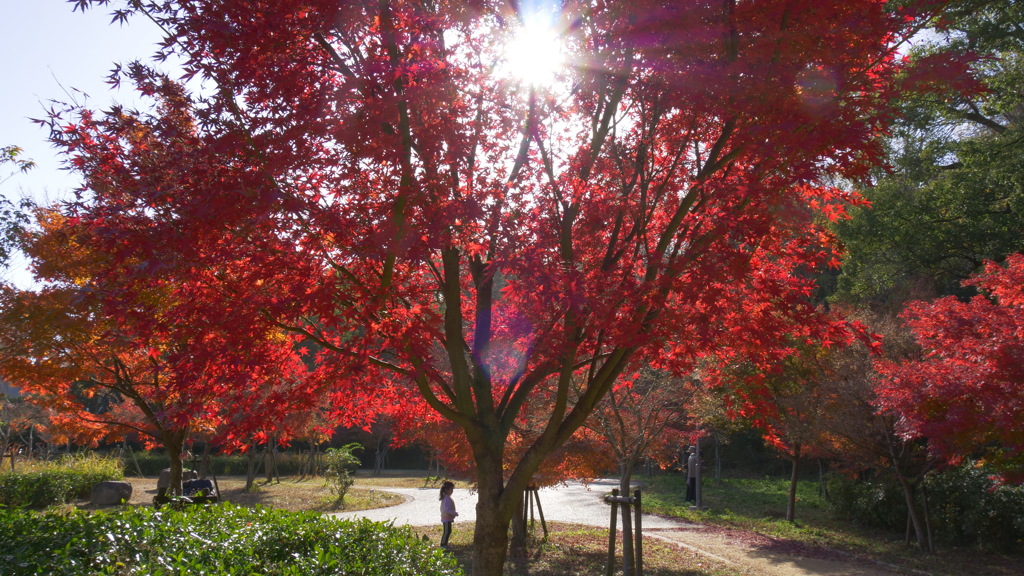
212, 540
37, 484
876, 502
965, 506
340, 466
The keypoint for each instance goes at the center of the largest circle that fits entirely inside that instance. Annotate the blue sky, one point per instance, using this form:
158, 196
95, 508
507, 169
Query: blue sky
48, 52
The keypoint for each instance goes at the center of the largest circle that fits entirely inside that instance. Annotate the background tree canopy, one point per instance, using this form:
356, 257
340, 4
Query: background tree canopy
954, 196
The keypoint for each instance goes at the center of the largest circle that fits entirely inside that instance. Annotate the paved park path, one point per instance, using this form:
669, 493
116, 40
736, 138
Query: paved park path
575, 503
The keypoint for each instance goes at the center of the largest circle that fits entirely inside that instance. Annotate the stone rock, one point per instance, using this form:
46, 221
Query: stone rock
164, 481
111, 493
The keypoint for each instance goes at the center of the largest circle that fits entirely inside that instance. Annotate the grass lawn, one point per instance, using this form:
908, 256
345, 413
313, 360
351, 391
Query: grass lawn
759, 505
287, 494
404, 479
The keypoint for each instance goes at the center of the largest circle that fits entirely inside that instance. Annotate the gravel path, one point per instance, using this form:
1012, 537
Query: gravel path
576, 503
573, 503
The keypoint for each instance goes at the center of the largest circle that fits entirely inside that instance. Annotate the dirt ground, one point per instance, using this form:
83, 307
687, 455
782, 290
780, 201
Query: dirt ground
757, 555
291, 496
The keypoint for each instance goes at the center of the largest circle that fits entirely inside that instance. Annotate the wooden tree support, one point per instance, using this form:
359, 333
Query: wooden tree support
126, 449
531, 496
632, 548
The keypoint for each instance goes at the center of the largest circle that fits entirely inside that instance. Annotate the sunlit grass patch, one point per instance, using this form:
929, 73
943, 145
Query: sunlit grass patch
573, 550
758, 506
39, 483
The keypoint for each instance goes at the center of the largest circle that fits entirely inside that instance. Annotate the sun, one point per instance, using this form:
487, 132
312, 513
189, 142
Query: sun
535, 54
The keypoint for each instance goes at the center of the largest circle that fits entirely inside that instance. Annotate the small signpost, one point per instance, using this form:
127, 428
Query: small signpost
632, 534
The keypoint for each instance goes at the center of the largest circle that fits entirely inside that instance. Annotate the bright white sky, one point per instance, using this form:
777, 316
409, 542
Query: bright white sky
50, 52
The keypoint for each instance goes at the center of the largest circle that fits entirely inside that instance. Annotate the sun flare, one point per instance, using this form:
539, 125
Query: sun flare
535, 55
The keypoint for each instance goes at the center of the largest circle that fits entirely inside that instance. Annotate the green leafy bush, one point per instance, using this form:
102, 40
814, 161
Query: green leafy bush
37, 484
212, 540
965, 506
340, 467
968, 506
873, 501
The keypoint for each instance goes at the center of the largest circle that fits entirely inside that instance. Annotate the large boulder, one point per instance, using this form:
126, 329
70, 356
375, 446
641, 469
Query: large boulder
111, 493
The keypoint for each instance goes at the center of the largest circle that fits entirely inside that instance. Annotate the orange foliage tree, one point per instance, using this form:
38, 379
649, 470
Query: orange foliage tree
106, 366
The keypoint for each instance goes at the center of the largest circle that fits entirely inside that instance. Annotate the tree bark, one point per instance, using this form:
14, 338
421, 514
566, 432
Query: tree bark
517, 544
718, 461
204, 461
915, 518
822, 483
250, 476
793, 479
174, 442
628, 554
493, 514
5, 434
927, 519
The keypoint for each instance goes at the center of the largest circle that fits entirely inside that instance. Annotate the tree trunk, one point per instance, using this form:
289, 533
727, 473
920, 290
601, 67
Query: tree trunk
270, 462
518, 543
927, 519
718, 461
5, 435
822, 484
493, 514
381, 455
791, 503
915, 518
250, 476
628, 560
174, 442
204, 461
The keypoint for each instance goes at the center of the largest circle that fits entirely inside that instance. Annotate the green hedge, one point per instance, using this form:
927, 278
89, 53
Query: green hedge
41, 484
966, 507
211, 540
151, 463
870, 502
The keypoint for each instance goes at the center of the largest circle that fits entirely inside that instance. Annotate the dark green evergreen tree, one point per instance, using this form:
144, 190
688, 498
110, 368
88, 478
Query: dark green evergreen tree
954, 196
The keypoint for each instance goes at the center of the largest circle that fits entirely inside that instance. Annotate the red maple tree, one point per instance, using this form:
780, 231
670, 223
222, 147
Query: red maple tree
116, 363
965, 394
644, 417
448, 233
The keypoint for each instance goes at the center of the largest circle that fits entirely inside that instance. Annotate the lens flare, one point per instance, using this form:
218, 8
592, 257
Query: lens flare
535, 54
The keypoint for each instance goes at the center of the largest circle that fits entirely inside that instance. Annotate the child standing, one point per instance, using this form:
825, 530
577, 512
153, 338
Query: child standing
448, 512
